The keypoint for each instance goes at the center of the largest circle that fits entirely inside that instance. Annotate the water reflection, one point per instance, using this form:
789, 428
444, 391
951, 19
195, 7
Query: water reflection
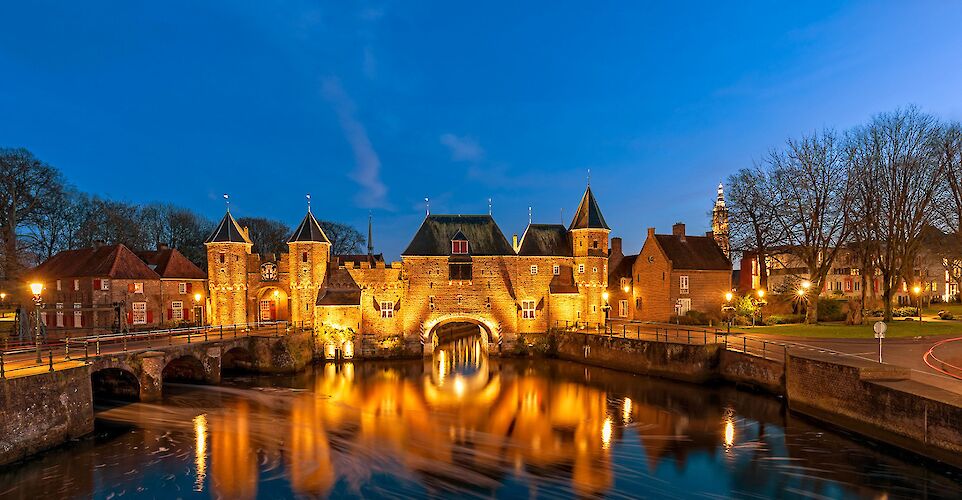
462, 423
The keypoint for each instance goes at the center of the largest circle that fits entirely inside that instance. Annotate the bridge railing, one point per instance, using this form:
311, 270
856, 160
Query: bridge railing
24, 356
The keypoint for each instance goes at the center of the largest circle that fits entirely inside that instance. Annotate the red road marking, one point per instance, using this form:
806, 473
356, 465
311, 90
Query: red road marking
930, 355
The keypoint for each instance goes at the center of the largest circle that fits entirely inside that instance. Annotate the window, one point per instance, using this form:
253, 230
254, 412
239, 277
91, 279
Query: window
222, 257
431, 302
58, 285
527, 309
60, 314
78, 316
139, 287
459, 271
139, 316
622, 308
683, 284
459, 300
303, 256
594, 243
556, 270
459, 247
594, 269
177, 310
387, 309
581, 268
76, 285
594, 308
105, 285
534, 269
625, 284
487, 302
182, 288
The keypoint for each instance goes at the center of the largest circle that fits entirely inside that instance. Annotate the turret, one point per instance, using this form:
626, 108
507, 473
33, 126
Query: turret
310, 253
589, 240
227, 250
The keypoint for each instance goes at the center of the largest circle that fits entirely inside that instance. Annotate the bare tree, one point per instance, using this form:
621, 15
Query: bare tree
25, 184
899, 173
344, 238
948, 150
268, 235
812, 199
750, 217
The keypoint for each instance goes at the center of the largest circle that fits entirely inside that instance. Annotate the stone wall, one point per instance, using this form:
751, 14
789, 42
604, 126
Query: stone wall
43, 411
691, 363
878, 401
745, 369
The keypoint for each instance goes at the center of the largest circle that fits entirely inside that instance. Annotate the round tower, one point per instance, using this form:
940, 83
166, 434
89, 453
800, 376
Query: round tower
309, 255
589, 239
227, 250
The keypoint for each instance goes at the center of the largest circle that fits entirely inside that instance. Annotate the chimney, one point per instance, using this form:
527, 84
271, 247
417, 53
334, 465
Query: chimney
162, 246
651, 232
679, 230
616, 247
709, 234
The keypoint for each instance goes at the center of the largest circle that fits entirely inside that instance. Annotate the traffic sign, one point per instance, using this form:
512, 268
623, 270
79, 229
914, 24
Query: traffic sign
880, 328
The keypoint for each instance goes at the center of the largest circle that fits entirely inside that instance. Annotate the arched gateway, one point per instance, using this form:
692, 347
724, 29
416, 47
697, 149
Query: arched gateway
454, 326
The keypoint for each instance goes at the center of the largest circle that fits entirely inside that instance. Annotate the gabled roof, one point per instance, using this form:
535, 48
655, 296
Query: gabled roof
693, 252
459, 236
588, 215
434, 236
339, 289
170, 263
622, 270
114, 261
545, 240
309, 230
228, 231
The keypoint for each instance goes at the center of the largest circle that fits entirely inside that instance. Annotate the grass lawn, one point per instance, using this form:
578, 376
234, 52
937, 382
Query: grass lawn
953, 307
896, 328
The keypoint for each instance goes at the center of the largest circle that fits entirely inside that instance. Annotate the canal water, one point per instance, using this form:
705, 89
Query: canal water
463, 425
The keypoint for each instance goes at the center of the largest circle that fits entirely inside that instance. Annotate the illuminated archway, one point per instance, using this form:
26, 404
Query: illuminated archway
490, 332
272, 304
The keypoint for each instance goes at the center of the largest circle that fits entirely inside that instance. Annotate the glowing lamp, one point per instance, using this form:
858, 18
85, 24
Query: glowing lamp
276, 294
801, 293
625, 288
728, 296
36, 289
806, 284
917, 289
761, 294
604, 296
3, 295
196, 297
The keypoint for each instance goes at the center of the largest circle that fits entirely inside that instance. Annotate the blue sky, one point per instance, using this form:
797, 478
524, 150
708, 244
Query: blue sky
374, 106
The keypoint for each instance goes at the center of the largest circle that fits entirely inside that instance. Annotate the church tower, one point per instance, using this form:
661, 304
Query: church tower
227, 250
719, 223
309, 255
589, 240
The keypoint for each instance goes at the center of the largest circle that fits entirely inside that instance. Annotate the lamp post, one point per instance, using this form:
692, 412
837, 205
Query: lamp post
728, 309
918, 296
606, 307
761, 303
198, 317
36, 289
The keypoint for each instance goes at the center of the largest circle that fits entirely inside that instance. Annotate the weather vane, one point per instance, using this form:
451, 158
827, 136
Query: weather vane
227, 201
308, 202
427, 205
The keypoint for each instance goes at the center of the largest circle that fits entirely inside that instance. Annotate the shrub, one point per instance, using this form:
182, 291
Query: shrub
830, 310
904, 312
784, 319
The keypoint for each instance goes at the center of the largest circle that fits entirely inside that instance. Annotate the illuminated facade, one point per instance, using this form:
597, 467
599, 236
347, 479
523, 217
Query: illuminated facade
457, 269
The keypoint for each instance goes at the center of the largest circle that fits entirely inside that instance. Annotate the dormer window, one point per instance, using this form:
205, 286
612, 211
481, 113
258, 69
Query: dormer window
459, 245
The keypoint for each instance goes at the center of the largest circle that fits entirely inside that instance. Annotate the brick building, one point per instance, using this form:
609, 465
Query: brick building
457, 269
85, 289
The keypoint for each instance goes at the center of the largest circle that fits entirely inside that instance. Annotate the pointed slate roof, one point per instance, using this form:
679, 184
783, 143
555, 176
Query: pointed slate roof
459, 236
228, 231
339, 289
309, 230
545, 240
170, 263
588, 215
437, 231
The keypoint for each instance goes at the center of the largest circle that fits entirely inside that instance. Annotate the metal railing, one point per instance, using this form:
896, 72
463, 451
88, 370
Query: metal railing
74, 349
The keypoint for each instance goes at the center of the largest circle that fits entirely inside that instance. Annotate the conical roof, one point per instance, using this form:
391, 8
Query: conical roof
309, 230
228, 231
588, 215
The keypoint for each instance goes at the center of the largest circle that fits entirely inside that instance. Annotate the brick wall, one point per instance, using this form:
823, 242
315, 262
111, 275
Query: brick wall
228, 282
307, 265
652, 287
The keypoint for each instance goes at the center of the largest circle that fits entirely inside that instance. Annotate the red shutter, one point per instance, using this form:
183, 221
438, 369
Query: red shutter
130, 317
170, 313
150, 317
189, 287
96, 284
130, 288
273, 311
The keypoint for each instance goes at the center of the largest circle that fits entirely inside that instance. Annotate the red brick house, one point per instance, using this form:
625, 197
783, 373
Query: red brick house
85, 289
675, 273
183, 285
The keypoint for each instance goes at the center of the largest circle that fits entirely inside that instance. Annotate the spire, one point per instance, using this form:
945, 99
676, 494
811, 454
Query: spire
228, 231
370, 234
720, 200
588, 215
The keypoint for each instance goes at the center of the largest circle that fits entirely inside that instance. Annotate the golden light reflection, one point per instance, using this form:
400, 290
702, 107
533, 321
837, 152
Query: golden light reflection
459, 386
442, 366
729, 434
200, 451
606, 434
626, 411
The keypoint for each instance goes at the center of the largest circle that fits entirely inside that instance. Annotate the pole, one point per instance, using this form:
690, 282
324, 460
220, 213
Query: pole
880, 349
50, 358
37, 339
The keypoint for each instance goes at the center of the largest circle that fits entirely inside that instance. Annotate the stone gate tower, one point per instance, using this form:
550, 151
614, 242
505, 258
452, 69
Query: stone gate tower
719, 223
589, 240
227, 250
310, 252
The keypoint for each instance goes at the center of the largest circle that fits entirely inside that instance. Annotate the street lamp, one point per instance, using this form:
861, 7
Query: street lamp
606, 307
806, 284
728, 309
918, 295
761, 303
36, 289
198, 318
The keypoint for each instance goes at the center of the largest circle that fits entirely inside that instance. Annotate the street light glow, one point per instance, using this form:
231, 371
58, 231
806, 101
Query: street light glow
806, 284
36, 289
196, 297
917, 289
761, 294
604, 296
728, 296
801, 293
